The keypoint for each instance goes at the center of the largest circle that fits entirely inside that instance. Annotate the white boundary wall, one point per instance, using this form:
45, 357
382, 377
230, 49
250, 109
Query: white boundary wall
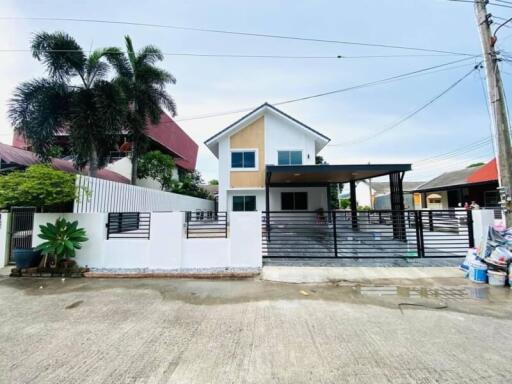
167, 248
97, 195
4, 233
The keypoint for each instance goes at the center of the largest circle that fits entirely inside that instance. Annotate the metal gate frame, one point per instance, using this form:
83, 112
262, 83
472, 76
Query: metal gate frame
21, 229
343, 234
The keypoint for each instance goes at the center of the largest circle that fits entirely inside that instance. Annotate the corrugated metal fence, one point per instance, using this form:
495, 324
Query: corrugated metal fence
97, 195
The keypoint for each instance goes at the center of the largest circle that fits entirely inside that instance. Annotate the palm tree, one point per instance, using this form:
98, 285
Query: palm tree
144, 85
75, 96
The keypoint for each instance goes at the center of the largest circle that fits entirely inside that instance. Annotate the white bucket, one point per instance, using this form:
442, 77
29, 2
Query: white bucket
477, 272
496, 278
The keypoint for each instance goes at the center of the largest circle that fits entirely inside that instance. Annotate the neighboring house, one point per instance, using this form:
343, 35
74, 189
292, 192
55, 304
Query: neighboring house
453, 189
12, 158
376, 194
166, 136
267, 162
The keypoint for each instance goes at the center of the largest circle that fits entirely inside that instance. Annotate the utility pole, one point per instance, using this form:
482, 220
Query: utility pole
497, 104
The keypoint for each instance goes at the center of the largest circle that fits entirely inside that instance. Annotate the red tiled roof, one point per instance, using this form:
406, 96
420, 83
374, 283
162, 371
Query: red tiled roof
166, 133
169, 134
488, 172
20, 157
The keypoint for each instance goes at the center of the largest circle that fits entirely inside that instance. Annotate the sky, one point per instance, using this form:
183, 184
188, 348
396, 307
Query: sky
359, 122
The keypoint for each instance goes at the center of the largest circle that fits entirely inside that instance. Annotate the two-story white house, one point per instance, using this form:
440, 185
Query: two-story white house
265, 136
267, 163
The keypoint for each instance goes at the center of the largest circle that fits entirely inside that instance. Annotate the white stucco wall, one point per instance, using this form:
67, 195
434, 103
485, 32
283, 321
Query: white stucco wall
122, 166
4, 246
224, 167
281, 134
317, 197
167, 248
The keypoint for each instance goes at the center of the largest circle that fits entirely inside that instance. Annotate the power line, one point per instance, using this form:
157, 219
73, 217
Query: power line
229, 55
360, 86
237, 33
437, 162
454, 151
410, 115
474, 1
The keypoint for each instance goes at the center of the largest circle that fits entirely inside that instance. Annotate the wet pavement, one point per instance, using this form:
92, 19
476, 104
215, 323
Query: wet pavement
444, 330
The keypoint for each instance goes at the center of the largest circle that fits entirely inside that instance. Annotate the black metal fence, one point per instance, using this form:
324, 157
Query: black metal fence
21, 229
367, 234
206, 224
128, 225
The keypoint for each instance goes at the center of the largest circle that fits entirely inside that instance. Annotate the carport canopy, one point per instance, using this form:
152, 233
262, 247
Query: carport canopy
318, 175
325, 174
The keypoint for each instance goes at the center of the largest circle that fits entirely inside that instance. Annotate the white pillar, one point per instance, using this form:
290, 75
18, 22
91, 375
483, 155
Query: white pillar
4, 239
482, 220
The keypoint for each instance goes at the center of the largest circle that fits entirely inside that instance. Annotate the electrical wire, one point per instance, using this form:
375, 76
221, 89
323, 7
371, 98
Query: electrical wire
474, 1
237, 33
407, 75
410, 115
229, 55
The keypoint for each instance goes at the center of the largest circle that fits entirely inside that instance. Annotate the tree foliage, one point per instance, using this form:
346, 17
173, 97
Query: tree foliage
75, 96
189, 184
213, 182
475, 165
144, 85
158, 166
39, 186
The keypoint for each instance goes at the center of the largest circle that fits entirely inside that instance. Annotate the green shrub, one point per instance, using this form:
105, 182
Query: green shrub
39, 186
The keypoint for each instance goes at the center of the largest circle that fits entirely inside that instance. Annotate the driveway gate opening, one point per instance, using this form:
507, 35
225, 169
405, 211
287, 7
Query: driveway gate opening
367, 234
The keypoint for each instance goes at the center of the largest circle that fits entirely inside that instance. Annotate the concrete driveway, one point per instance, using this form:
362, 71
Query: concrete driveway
198, 331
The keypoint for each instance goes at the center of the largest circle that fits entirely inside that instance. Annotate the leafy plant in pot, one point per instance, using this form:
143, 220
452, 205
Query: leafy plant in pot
62, 239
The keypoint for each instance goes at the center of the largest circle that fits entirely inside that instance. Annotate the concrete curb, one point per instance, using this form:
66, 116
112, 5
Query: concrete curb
355, 274
174, 274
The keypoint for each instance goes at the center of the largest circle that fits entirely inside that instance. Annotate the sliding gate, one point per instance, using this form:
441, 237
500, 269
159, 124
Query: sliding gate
367, 234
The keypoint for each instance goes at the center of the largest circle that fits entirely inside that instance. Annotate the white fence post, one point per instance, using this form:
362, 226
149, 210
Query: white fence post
482, 220
4, 238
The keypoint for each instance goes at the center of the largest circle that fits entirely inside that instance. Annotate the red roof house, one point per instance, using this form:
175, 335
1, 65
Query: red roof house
166, 136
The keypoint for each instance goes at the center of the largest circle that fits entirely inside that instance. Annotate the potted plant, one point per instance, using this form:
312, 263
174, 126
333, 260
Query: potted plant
62, 240
26, 257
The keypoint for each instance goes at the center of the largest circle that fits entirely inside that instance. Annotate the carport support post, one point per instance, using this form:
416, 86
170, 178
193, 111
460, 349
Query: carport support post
397, 205
353, 204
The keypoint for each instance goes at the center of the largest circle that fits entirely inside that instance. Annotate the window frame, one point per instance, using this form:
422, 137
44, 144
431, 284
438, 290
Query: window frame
242, 150
294, 208
290, 156
244, 203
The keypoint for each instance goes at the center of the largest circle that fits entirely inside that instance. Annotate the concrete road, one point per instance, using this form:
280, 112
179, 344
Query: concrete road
198, 331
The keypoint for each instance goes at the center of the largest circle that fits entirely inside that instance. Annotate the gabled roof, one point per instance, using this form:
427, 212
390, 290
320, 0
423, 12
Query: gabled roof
20, 158
473, 175
383, 188
253, 115
170, 135
488, 172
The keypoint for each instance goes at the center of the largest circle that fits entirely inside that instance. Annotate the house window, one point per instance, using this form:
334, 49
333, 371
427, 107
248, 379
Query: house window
294, 201
243, 159
289, 157
244, 203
